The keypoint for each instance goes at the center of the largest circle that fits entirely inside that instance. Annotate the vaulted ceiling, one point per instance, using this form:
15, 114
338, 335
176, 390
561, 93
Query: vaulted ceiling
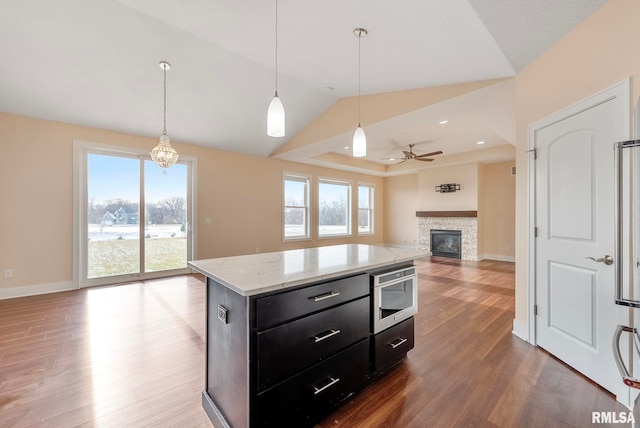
95, 63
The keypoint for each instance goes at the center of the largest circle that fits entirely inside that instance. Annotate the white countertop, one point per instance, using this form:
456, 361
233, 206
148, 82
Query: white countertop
261, 273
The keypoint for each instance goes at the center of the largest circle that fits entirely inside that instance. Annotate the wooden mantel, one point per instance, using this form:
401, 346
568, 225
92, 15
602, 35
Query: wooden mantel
446, 213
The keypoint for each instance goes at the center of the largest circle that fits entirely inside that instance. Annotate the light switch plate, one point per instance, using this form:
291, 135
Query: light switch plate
222, 313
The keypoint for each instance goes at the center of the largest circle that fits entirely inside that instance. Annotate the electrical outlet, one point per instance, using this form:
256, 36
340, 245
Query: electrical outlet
8, 273
222, 313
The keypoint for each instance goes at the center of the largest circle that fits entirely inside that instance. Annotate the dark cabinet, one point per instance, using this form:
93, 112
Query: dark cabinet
279, 308
293, 346
290, 358
311, 395
391, 345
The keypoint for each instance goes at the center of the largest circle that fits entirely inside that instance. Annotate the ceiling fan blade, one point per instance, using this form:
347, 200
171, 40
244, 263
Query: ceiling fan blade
425, 159
407, 154
402, 161
430, 154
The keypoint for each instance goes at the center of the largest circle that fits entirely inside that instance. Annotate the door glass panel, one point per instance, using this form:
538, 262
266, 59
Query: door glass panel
113, 190
165, 223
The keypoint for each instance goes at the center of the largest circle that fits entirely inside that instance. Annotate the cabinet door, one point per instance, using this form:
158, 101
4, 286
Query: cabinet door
279, 308
313, 394
291, 347
392, 344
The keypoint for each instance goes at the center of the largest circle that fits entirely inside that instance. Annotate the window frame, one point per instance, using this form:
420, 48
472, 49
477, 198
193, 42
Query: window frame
306, 179
81, 150
371, 209
349, 220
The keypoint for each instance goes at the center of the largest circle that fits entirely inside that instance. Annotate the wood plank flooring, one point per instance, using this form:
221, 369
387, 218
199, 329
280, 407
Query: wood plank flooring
133, 355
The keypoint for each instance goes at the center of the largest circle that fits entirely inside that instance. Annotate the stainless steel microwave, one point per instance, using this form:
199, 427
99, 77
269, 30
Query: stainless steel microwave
395, 297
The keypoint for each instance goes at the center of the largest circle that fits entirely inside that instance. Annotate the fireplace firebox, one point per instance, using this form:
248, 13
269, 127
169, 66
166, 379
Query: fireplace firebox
446, 243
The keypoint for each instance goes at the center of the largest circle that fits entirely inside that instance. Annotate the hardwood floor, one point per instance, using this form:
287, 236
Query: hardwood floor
133, 355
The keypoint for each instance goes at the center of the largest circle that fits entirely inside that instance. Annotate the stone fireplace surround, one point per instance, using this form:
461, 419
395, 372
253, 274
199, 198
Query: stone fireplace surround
464, 221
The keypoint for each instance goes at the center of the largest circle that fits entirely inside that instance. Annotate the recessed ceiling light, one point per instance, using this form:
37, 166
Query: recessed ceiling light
442, 122
346, 147
480, 142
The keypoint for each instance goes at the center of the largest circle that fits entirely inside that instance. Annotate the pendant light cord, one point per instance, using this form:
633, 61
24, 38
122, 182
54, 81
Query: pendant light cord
164, 100
276, 78
359, 37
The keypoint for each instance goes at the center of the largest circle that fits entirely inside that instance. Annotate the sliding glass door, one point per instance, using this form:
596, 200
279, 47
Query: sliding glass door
135, 218
166, 225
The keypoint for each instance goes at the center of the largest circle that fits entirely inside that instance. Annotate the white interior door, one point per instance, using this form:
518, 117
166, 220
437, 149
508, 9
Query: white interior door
574, 209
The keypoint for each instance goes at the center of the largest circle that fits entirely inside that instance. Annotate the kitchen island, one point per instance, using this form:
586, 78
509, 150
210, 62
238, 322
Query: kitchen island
290, 334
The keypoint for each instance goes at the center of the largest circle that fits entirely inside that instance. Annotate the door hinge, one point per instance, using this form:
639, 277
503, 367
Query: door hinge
535, 232
535, 309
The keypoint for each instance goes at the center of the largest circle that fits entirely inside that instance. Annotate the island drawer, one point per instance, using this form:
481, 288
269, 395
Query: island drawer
312, 394
291, 347
392, 344
278, 308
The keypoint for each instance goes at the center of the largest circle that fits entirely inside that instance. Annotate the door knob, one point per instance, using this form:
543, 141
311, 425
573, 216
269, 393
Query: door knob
607, 259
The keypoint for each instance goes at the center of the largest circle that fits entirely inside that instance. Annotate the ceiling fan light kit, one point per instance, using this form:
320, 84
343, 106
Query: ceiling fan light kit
410, 155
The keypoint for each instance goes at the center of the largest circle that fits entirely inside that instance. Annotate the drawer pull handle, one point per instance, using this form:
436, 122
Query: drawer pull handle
330, 333
399, 342
324, 296
332, 382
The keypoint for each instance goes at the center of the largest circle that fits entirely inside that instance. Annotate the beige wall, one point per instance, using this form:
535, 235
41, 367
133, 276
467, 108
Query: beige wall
240, 193
400, 206
497, 211
487, 188
465, 199
597, 54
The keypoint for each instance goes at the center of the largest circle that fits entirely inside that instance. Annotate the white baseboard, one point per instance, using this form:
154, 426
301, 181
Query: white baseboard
32, 290
521, 330
497, 257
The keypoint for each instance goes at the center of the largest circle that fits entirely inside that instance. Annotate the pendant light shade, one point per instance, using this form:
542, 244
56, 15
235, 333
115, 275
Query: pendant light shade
275, 117
275, 113
163, 154
359, 143
359, 138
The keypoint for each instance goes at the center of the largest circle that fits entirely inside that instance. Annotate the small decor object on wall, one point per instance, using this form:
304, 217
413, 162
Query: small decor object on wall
447, 188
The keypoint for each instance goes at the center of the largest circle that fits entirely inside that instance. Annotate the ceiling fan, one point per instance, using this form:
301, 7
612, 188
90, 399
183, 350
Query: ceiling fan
409, 155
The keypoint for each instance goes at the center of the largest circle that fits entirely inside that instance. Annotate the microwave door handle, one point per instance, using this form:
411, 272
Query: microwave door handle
397, 281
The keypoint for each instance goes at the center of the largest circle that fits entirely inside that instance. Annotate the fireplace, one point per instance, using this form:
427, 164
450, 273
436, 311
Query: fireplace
446, 243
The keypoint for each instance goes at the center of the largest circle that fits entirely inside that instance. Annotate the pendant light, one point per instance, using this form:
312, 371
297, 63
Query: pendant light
359, 138
275, 113
163, 154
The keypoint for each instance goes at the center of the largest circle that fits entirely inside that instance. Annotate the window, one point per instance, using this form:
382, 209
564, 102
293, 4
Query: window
365, 209
296, 207
132, 218
334, 208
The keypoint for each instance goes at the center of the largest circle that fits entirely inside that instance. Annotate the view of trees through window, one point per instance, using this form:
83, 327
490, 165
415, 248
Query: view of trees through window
334, 213
333, 207
114, 227
365, 208
296, 207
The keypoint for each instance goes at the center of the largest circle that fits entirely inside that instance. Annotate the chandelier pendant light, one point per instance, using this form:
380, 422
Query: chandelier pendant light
359, 138
275, 113
163, 154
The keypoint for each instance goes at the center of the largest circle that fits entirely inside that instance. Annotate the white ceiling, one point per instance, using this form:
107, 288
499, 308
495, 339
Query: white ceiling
95, 63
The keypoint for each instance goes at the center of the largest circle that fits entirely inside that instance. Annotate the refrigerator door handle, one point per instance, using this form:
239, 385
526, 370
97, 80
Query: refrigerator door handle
626, 377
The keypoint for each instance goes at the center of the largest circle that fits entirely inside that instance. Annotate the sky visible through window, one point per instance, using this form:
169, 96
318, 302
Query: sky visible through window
114, 177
